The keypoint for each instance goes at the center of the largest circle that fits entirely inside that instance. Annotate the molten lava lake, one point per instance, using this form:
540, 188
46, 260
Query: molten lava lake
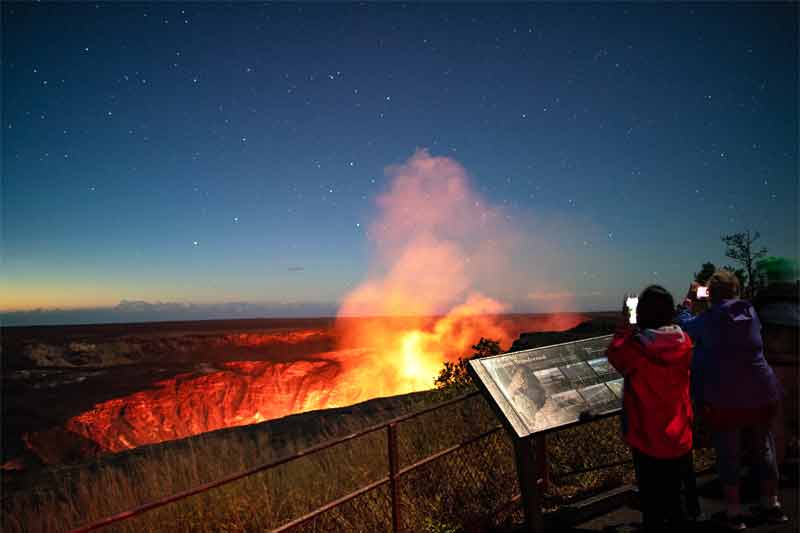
79, 391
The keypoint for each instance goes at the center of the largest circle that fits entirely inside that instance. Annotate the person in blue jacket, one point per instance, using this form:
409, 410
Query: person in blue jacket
738, 391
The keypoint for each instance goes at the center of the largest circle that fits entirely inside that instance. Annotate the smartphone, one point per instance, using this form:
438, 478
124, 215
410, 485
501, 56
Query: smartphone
632, 302
702, 293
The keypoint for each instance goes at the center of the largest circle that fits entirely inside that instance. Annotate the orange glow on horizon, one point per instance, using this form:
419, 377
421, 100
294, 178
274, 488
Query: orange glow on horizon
43, 295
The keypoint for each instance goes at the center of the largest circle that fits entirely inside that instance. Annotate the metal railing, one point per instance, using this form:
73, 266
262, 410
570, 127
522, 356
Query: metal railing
395, 472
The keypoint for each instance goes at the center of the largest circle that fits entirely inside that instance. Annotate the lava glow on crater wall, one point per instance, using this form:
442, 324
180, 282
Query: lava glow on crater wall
439, 249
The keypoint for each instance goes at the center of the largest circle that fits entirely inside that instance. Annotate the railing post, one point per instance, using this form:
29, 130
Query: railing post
394, 466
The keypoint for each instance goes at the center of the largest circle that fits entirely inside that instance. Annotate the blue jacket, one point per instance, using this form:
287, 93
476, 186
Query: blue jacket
691, 325
728, 367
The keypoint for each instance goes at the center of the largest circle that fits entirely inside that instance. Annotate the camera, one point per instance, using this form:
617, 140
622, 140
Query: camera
702, 293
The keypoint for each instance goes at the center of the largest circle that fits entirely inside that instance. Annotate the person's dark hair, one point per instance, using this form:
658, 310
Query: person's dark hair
656, 308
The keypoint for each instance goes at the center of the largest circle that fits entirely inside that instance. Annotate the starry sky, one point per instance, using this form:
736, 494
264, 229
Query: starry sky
231, 155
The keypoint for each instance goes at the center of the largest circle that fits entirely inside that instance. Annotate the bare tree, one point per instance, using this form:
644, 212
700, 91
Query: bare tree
741, 248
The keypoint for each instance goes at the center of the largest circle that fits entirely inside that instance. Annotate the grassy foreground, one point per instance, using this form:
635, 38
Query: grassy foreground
467, 486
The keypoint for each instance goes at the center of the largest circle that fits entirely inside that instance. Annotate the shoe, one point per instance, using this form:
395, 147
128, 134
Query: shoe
773, 515
731, 523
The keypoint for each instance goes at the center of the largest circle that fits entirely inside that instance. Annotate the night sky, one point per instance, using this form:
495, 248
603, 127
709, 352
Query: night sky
220, 153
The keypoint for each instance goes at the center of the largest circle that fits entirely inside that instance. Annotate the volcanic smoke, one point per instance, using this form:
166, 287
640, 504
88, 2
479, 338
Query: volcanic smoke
438, 245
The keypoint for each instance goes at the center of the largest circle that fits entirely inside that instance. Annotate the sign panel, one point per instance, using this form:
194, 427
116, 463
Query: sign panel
544, 388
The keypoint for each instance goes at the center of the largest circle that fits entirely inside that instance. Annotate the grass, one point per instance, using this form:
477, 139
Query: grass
459, 490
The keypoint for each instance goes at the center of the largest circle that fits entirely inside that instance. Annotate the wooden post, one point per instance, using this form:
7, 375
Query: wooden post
524, 450
394, 466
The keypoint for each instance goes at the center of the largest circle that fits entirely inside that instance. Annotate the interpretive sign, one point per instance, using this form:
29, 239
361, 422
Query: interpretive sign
544, 388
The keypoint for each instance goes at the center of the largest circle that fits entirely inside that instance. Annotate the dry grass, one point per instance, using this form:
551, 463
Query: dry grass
464, 487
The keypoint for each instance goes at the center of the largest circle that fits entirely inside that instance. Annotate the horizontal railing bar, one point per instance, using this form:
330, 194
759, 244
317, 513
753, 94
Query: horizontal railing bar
446, 451
400, 472
415, 414
335, 503
591, 469
124, 515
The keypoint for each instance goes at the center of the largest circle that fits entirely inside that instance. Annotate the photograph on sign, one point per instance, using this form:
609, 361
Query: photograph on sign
579, 373
616, 386
547, 387
599, 397
602, 367
553, 380
570, 403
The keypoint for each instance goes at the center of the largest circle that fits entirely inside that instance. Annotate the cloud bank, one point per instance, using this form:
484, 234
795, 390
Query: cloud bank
141, 311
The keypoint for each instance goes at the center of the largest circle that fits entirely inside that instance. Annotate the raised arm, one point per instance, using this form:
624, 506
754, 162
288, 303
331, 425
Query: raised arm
693, 325
621, 353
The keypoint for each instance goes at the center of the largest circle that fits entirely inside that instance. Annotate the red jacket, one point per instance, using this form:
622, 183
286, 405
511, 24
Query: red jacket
657, 412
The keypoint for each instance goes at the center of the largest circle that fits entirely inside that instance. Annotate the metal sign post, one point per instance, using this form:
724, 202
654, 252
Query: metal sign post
530, 482
537, 391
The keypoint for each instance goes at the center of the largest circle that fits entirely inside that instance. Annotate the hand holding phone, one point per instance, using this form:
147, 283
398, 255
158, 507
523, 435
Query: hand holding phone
702, 293
631, 302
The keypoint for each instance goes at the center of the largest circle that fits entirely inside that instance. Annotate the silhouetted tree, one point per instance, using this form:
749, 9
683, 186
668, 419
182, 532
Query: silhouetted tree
740, 247
705, 273
739, 273
455, 375
485, 348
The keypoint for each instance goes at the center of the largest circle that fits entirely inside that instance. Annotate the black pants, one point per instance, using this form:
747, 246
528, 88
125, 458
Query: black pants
659, 483
689, 481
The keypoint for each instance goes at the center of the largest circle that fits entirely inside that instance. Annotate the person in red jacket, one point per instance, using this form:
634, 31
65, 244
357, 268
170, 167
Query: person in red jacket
654, 357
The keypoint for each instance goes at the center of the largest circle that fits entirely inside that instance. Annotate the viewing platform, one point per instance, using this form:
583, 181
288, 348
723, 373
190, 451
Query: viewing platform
617, 510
